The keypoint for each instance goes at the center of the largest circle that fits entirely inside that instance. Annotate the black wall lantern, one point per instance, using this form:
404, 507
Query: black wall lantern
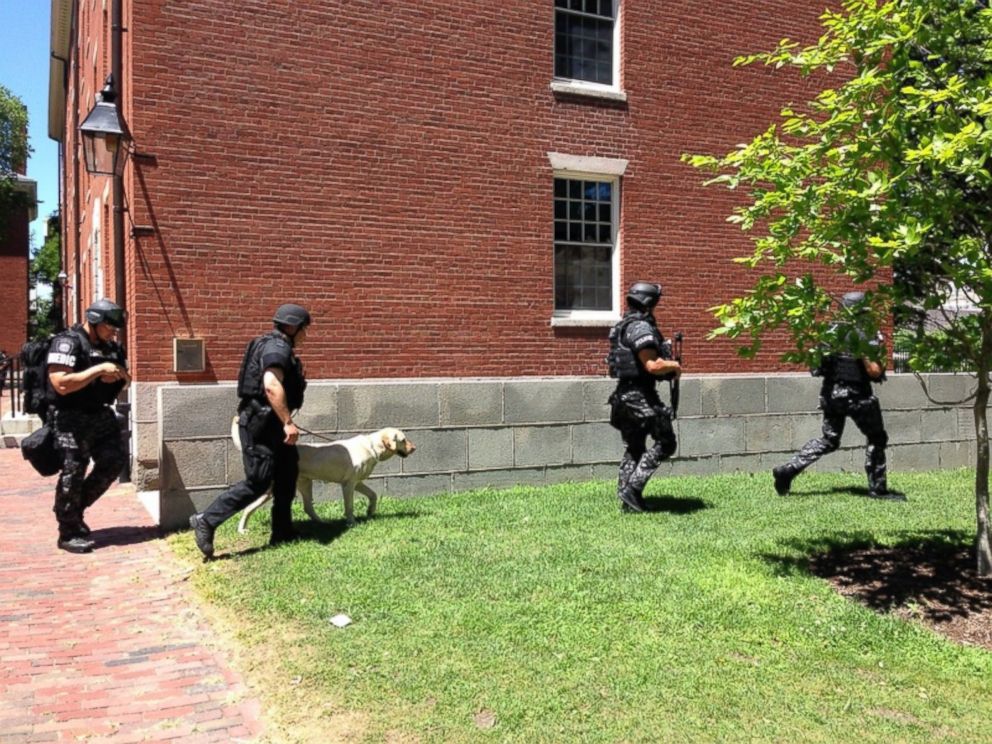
105, 134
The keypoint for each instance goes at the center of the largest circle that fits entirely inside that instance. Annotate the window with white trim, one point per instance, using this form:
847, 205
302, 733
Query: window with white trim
585, 243
96, 252
587, 42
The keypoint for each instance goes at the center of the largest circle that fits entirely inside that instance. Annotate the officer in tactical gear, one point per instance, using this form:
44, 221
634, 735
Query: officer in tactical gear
271, 384
639, 357
86, 370
846, 392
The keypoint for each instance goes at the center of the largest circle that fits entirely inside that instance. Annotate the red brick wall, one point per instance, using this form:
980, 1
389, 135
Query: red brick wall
385, 164
14, 284
88, 71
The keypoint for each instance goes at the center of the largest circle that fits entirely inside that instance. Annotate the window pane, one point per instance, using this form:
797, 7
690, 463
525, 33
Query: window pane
584, 44
582, 278
583, 268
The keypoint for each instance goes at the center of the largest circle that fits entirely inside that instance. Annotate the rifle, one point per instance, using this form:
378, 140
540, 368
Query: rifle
673, 383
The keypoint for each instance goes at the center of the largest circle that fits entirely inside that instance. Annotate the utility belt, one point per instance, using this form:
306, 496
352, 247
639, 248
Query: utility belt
648, 385
254, 416
78, 406
633, 406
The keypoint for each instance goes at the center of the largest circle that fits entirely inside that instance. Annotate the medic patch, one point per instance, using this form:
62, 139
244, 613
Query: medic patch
62, 353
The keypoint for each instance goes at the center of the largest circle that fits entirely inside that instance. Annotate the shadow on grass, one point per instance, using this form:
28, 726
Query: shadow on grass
327, 532
674, 505
324, 532
932, 574
849, 490
239, 553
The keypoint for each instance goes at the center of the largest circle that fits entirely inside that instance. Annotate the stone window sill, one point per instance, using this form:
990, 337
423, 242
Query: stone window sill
573, 88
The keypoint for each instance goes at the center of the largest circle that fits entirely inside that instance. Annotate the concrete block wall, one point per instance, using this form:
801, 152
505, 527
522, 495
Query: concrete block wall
502, 432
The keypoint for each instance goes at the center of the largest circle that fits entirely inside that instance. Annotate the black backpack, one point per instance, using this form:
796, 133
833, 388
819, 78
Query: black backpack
38, 393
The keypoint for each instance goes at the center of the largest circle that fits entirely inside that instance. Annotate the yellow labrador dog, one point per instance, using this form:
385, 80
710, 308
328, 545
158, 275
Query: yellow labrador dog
345, 461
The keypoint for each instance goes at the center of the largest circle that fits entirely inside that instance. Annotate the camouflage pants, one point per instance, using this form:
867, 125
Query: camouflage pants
838, 404
85, 436
638, 414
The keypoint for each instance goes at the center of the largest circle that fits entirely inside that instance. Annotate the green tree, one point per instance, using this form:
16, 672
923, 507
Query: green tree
14, 152
883, 179
46, 263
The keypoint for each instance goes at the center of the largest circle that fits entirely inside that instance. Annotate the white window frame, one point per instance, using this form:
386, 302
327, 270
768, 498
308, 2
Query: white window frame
577, 167
571, 86
96, 251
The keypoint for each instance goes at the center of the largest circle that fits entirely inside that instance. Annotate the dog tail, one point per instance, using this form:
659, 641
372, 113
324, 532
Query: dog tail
235, 435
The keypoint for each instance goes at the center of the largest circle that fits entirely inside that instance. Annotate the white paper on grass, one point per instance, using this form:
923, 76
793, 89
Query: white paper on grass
341, 620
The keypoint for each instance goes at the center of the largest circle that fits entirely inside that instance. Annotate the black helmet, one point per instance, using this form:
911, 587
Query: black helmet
105, 311
644, 294
291, 315
852, 299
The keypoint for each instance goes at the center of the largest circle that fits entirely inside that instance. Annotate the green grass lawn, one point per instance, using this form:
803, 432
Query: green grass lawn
545, 615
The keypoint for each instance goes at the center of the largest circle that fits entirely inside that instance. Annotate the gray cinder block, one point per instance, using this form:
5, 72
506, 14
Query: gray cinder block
471, 403
373, 406
543, 401
538, 446
727, 396
490, 448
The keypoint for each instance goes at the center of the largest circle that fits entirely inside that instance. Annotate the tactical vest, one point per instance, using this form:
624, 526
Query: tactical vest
849, 369
625, 361
250, 383
250, 373
80, 355
621, 359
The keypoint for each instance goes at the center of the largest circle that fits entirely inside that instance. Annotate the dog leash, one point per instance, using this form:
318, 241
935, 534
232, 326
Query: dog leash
314, 434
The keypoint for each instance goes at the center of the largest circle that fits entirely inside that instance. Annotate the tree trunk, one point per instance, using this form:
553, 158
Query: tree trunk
983, 540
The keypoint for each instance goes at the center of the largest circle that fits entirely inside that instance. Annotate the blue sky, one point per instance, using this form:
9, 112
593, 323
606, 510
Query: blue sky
24, 35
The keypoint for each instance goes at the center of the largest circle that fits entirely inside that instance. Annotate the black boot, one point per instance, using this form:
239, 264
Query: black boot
630, 500
76, 544
783, 479
203, 534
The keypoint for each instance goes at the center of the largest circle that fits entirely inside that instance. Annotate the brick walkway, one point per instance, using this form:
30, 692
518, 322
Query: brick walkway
106, 646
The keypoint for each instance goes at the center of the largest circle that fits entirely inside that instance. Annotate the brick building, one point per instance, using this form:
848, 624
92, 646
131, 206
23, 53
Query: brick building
456, 190
15, 263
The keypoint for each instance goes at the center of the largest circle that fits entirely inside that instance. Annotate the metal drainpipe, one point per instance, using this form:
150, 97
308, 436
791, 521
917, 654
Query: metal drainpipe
120, 282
